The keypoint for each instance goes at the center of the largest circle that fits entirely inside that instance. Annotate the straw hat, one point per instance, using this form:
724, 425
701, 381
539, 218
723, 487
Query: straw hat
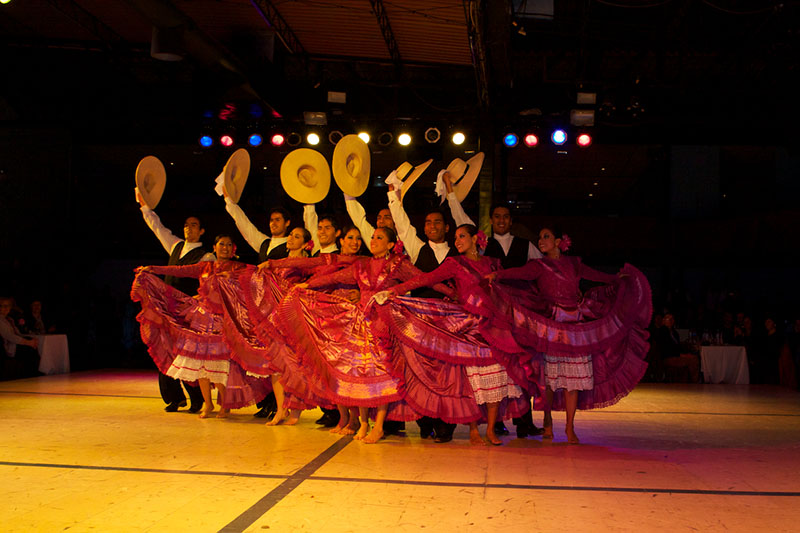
351, 165
151, 178
305, 175
408, 174
464, 174
235, 174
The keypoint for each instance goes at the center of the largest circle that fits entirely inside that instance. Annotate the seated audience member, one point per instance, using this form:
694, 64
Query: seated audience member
34, 322
765, 357
18, 348
672, 356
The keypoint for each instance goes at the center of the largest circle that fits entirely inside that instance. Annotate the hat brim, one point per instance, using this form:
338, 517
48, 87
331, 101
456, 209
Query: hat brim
351, 147
151, 180
411, 178
235, 174
315, 163
464, 185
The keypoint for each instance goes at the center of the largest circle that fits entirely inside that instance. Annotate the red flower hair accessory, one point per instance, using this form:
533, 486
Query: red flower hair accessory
398, 247
565, 243
309, 245
482, 241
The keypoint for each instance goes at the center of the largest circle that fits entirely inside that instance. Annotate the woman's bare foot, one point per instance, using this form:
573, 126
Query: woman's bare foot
292, 420
223, 413
572, 438
374, 436
362, 432
278, 418
206, 411
492, 437
548, 432
475, 438
348, 430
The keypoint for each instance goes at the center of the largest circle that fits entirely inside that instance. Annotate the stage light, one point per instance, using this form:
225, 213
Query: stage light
277, 139
559, 137
364, 136
459, 138
335, 136
510, 140
294, 139
312, 139
385, 138
255, 139
4, 1
404, 139
206, 141
432, 135
226, 140
584, 140
531, 140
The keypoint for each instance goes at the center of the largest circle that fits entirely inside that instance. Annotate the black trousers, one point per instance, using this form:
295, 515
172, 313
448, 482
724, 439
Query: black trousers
171, 391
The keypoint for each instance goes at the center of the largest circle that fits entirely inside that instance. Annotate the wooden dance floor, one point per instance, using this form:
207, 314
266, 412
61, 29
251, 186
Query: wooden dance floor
96, 451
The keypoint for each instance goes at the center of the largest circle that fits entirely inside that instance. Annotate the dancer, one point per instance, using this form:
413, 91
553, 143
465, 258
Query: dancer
605, 329
490, 383
183, 334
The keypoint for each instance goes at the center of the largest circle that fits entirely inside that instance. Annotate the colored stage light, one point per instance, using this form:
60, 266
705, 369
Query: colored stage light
511, 140
584, 140
364, 136
404, 139
226, 140
559, 137
531, 140
459, 138
255, 139
206, 141
294, 139
277, 140
312, 139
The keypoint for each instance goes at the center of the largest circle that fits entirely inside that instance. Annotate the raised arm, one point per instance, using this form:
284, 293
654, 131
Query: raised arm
248, 230
311, 222
302, 263
359, 218
533, 252
166, 237
405, 231
459, 215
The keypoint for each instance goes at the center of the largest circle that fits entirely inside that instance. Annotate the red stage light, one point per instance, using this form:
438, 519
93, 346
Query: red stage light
226, 140
584, 140
531, 140
277, 140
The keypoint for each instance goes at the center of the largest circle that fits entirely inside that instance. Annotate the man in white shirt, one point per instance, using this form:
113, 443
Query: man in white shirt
325, 231
272, 247
359, 217
185, 251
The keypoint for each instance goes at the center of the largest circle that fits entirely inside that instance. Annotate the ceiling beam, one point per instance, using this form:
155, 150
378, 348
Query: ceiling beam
88, 22
386, 30
275, 20
472, 14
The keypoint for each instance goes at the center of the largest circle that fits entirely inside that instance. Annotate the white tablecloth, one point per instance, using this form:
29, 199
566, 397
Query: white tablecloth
724, 364
53, 354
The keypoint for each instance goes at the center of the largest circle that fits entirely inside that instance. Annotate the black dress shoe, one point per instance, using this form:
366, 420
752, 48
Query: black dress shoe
426, 434
500, 428
264, 412
443, 438
173, 407
329, 420
194, 408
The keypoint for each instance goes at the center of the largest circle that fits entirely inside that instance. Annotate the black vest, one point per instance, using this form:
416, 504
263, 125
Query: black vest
185, 285
279, 252
517, 252
426, 261
316, 254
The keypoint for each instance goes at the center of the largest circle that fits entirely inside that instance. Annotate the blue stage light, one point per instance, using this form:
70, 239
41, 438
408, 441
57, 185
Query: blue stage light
206, 141
255, 139
559, 137
510, 140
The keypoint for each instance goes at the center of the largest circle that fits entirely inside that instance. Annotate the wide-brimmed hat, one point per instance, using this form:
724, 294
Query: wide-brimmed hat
464, 174
151, 178
350, 165
305, 175
408, 174
235, 174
